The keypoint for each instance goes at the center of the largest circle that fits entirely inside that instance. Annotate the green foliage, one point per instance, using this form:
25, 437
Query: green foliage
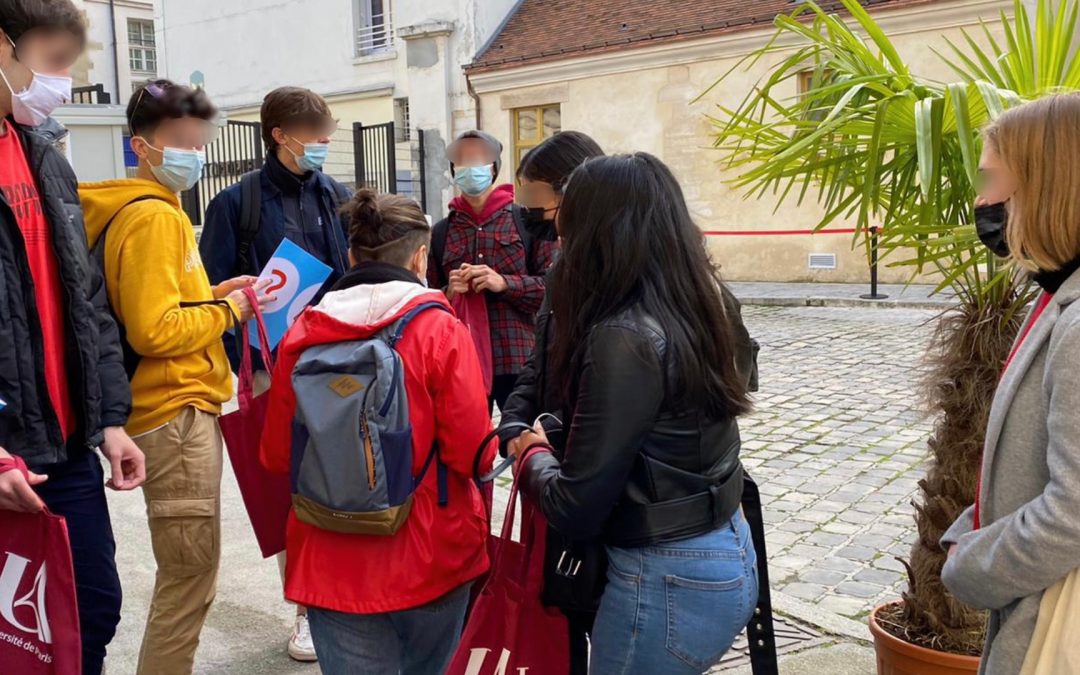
874, 143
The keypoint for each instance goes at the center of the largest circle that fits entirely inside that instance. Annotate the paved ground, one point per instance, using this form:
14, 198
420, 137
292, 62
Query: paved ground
836, 444
915, 296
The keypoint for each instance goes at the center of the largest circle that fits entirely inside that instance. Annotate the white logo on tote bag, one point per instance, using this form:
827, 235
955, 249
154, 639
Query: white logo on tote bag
478, 656
10, 579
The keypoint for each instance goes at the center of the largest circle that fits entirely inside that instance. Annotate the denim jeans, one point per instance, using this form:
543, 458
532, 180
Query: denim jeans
418, 641
76, 491
676, 607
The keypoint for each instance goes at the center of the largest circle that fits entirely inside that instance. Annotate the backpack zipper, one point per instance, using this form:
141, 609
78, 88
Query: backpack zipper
369, 450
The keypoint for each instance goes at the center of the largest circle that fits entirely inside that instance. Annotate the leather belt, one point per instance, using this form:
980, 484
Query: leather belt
633, 525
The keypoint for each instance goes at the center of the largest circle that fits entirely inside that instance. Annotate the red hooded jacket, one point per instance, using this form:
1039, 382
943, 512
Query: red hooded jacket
437, 549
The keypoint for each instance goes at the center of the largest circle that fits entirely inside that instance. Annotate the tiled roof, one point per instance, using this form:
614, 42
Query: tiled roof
549, 30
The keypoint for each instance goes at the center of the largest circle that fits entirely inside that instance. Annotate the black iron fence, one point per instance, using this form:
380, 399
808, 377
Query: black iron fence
390, 161
93, 94
236, 151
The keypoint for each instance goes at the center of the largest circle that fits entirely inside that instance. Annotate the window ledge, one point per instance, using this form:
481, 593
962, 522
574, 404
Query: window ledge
377, 57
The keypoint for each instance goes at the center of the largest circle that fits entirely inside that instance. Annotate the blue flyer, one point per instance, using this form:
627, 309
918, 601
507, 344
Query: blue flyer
296, 276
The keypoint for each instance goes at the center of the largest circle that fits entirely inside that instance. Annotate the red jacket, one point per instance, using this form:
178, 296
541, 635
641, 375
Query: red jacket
438, 549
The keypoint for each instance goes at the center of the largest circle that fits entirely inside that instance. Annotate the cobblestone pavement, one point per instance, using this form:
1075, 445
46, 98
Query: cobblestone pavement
837, 443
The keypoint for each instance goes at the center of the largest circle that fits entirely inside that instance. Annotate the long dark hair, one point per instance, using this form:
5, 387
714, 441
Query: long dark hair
556, 158
628, 239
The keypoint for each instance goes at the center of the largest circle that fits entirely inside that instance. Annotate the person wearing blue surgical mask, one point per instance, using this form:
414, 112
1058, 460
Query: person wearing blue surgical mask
290, 197
172, 322
487, 260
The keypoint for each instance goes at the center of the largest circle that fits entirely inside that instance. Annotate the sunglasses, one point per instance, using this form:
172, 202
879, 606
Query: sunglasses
154, 89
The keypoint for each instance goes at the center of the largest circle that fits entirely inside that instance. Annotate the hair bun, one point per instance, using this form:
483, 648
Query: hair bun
367, 218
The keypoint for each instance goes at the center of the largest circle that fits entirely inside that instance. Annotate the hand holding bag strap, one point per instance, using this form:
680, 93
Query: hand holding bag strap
503, 465
16, 463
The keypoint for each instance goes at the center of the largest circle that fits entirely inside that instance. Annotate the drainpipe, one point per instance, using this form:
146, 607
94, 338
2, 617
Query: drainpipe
475, 98
115, 48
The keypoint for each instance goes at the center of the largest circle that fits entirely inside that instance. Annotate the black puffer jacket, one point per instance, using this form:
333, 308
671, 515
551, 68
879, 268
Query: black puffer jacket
99, 388
640, 469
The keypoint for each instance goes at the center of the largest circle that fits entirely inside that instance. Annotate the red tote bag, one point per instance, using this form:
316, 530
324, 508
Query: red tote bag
472, 309
39, 615
267, 496
509, 629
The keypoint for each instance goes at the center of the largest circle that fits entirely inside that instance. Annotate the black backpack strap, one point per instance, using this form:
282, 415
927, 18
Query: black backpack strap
442, 479
250, 217
438, 248
760, 631
526, 239
131, 357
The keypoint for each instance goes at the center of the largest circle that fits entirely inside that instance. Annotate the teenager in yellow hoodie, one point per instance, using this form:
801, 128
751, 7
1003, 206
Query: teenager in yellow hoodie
173, 321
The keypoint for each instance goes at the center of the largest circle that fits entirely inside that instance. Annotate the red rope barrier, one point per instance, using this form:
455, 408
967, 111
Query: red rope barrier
782, 233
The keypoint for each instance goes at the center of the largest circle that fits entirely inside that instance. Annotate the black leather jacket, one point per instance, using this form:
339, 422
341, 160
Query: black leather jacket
638, 468
99, 387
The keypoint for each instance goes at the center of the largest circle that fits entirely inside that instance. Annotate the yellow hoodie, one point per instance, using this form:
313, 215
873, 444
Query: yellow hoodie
159, 291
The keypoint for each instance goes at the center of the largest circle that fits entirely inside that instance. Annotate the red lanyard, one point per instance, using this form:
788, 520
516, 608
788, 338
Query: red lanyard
1040, 307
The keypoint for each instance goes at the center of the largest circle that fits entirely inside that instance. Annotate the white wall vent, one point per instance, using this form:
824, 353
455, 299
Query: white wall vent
822, 261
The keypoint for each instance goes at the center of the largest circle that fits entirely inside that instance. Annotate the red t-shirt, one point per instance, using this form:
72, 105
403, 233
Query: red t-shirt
21, 193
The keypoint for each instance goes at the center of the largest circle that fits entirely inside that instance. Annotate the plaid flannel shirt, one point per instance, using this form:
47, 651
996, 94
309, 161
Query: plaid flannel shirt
497, 243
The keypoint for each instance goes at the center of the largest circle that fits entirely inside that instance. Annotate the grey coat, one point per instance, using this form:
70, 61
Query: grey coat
1030, 498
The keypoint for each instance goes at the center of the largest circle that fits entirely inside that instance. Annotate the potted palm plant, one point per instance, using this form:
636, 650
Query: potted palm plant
876, 144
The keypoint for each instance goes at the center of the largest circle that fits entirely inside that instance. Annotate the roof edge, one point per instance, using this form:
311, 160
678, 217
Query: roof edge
668, 35
498, 31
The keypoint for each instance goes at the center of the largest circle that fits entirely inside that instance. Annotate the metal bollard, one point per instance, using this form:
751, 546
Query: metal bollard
874, 295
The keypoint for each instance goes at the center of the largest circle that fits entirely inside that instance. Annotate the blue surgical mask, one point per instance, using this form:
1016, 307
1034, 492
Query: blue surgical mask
473, 180
180, 169
314, 156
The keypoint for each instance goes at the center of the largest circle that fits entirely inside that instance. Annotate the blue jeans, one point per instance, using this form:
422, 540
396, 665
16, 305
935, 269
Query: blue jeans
418, 641
676, 607
76, 491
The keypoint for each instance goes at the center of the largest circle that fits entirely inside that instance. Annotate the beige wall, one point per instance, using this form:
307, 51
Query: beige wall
650, 109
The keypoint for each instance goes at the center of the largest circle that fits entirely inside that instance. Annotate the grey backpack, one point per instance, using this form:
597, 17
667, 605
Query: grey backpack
352, 448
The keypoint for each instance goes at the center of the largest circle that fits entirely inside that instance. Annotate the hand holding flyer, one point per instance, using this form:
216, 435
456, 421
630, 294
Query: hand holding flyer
295, 278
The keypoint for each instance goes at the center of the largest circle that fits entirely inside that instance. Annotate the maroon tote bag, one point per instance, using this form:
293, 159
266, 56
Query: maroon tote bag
267, 496
509, 629
39, 615
472, 309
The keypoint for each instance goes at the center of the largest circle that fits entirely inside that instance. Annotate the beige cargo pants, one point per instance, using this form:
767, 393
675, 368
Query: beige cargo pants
183, 505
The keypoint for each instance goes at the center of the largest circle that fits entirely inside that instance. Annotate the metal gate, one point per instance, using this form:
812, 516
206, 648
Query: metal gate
390, 161
238, 150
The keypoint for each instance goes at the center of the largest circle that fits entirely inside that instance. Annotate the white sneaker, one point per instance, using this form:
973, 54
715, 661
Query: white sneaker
300, 646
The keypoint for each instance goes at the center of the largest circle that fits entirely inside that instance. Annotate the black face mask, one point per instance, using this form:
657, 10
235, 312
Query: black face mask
539, 225
991, 222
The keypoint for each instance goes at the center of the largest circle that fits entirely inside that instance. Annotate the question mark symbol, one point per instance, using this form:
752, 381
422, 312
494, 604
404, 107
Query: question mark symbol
277, 285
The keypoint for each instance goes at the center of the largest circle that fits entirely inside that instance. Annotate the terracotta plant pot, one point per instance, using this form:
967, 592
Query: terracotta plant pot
897, 657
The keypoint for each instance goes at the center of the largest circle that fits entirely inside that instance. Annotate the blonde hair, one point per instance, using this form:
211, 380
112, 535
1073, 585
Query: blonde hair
1039, 143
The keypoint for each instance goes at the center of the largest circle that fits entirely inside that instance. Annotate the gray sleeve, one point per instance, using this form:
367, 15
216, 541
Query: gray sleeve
964, 523
1037, 545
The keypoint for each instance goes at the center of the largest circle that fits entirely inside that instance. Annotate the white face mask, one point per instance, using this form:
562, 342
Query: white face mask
46, 93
